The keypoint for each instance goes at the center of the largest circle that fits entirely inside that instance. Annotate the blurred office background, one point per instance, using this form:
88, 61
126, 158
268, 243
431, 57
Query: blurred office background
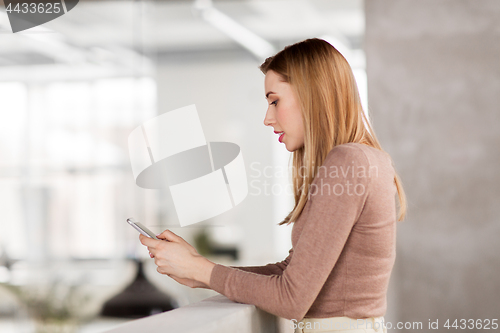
73, 89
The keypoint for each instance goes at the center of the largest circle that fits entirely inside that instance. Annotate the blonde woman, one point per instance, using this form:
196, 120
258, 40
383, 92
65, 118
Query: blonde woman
344, 219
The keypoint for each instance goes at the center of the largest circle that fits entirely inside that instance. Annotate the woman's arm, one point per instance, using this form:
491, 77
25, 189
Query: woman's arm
269, 269
179, 260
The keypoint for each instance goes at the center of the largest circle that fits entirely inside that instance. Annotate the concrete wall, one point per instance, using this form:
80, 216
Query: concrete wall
433, 71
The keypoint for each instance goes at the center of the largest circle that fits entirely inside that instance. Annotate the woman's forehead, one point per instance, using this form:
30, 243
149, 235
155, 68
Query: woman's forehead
273, 83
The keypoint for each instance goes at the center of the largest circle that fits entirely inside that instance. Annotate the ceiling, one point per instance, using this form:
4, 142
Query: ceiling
113, 38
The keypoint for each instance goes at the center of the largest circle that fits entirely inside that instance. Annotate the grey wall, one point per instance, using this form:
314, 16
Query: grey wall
433, 71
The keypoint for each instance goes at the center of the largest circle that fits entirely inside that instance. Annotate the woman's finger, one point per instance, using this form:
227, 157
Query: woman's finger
169, 236
152, 250
149, 242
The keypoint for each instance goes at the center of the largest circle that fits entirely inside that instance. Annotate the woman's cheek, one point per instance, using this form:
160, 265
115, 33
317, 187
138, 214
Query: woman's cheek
279, 117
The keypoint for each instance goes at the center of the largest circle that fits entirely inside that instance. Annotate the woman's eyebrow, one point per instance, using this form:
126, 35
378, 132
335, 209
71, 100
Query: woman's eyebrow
269, 93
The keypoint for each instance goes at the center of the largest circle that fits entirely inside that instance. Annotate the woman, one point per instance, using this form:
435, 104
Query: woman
343, 237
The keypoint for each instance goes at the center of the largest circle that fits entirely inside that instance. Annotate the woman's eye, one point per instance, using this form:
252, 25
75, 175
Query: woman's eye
275, 102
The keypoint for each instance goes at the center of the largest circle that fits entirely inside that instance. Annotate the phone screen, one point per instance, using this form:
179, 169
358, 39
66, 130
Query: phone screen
141, 228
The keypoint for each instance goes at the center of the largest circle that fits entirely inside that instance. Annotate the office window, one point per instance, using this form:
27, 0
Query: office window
65, 178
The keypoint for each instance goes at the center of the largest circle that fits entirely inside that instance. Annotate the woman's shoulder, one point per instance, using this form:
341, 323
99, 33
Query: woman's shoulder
357, 153
352, 151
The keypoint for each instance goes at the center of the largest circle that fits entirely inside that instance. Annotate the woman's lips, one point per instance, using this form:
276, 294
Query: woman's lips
280, 139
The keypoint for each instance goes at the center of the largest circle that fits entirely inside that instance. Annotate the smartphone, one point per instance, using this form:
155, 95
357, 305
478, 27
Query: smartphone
141, 228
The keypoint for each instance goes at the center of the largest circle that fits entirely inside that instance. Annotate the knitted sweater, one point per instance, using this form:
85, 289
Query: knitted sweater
343, 245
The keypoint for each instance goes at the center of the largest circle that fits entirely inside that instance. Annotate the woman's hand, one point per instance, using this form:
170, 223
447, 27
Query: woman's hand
190, 283
178, 259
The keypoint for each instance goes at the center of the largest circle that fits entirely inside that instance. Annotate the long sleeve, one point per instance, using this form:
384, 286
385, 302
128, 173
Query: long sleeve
269, 269
327, 220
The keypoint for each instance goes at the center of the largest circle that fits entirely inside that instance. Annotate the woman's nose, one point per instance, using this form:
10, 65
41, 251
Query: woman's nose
268, 120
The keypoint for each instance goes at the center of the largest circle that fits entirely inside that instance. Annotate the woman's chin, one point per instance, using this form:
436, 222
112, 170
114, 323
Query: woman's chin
290, 148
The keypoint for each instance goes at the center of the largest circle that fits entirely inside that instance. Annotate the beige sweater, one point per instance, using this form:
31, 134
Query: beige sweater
343, 245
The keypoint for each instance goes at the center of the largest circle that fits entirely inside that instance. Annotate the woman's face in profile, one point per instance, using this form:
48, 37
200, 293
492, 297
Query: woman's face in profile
283, 112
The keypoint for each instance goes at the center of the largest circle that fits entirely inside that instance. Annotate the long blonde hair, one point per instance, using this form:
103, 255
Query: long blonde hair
324, 85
